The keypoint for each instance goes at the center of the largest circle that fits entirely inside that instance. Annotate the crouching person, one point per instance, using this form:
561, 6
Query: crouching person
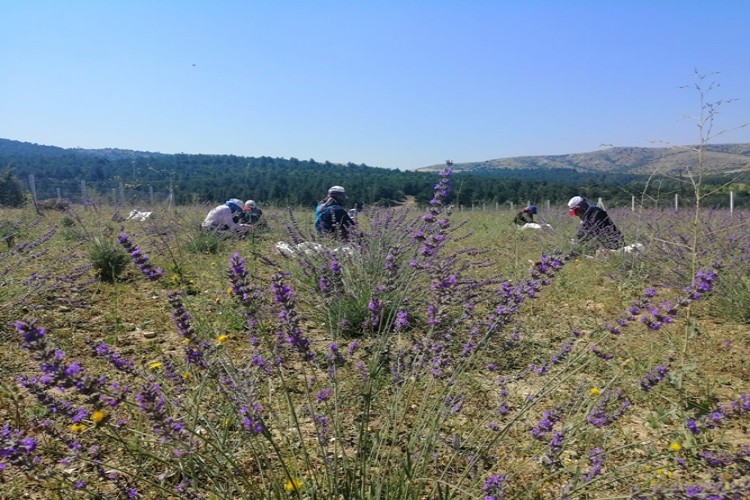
525, 216
224, 219
597, 231
251, 213
330, 216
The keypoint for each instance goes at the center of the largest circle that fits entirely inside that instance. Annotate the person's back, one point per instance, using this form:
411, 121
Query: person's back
525, 216
222, 218
597, 226
330, 216
218, 218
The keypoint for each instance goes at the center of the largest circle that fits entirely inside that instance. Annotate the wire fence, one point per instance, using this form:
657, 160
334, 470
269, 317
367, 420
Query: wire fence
63, 194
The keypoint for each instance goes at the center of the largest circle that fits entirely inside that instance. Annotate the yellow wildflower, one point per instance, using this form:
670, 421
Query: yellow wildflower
595, 391
175, 277
674, 446
77, 427
155, 365
98, 416
187, 375
293, 485
230, 291
222, 338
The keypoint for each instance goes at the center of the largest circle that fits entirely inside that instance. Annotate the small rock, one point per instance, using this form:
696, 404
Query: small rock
148, 334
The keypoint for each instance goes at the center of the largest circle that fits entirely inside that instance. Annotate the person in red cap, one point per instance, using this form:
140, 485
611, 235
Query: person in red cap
596, 226
251, 214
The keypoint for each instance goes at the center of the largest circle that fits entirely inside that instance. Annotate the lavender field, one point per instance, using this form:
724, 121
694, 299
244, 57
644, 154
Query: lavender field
437, 354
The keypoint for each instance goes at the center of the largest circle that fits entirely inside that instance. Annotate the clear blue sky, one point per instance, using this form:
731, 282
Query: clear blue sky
390, 83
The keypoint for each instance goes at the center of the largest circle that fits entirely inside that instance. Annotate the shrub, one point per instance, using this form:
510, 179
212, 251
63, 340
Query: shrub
11, 190
108, 258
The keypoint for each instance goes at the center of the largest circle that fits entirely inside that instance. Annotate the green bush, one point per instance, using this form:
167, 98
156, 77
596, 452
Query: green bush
108, 258
11, 190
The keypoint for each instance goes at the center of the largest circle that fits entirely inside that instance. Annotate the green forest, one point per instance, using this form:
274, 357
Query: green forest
198, 178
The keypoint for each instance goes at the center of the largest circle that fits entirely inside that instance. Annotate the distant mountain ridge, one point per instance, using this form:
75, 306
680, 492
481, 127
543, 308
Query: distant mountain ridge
719, 158
8, 146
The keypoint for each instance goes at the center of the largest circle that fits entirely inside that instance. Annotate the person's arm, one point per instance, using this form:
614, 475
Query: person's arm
346, 221
586, 229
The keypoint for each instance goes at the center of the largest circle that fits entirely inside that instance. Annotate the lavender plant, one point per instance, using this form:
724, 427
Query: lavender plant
249, 396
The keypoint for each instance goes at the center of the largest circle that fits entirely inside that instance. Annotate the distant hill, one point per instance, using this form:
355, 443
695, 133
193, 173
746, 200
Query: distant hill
719, 158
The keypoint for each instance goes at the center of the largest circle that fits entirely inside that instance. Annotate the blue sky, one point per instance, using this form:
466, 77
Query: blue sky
389, 83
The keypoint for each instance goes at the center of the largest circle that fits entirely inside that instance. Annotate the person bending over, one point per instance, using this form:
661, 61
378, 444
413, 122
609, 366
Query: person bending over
597, 229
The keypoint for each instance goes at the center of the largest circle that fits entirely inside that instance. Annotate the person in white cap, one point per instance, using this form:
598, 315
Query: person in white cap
251, 213
596, 226
330, 216
225, 217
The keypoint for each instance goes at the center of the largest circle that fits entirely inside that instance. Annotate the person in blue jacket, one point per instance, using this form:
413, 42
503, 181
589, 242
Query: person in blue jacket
525, 216
330, 216
596, 228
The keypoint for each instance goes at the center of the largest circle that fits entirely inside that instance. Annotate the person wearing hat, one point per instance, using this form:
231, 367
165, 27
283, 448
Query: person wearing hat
525, 216
596, 226
251, 213
331, 217
225, 218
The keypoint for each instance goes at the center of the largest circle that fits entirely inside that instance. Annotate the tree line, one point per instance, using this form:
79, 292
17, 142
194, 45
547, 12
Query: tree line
197, 178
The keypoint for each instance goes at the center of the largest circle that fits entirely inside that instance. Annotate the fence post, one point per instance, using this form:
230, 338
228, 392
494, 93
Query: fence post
547, 204
511, 206
632, 203
676, 202
59, 194
731, 202
600, 204
32, 187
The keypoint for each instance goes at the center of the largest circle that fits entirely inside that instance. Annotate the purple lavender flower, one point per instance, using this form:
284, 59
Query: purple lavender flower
596, 461
16, 448
654, 377
454, 403
114, 358
722, 414
401, 321
289, 322
252, 420
493, 487
195, 351
544, 426
611, 406
324, 395
139, 258
599, 353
